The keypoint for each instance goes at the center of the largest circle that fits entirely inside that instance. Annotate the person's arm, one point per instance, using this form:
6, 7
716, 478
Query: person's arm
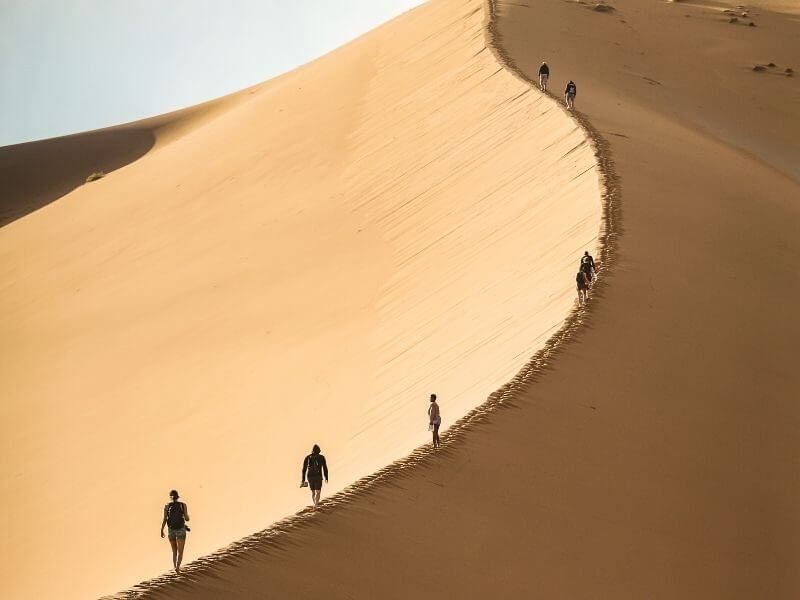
164, 522
303, 474
325, 468
186, 512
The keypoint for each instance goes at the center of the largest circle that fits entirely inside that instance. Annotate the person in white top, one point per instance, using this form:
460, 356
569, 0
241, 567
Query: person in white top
435, 420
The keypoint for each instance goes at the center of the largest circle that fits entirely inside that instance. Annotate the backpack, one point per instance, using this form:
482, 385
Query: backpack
314, 466
586, 260
175, 515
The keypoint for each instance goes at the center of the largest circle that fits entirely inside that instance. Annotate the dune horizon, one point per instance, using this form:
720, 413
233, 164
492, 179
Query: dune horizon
185, 58
301, 262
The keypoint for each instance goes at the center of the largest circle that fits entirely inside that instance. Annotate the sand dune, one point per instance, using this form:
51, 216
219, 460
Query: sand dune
654, 455
303, 262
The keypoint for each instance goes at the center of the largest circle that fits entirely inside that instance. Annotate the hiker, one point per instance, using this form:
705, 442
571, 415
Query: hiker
314, 467
544, 75
569, 94
435, 419
175, 516
586, 269
587, 266
583, 286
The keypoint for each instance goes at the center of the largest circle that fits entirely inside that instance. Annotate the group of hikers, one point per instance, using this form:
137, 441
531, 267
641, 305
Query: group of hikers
569, 92
315, 468
585, 276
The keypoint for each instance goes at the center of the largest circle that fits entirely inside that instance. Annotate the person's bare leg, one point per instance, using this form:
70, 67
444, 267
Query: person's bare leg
174, 545
181, 542
436, 443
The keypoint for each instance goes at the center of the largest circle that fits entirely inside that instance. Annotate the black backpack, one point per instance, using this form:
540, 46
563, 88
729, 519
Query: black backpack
314, 466
175, 515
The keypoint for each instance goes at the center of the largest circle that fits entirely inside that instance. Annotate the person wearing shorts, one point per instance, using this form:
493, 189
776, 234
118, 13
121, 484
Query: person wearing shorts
583, 286
175, 516
586, 267
544, 75
314, 467
569, 94
435, 420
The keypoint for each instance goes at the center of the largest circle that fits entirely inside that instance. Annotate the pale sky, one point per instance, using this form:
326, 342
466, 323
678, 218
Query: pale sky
75, 65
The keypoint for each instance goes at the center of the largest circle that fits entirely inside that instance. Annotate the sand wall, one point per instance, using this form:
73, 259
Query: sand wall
400, 217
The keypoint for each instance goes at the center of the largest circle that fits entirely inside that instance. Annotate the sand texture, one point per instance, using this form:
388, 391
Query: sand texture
302, 262
656, 453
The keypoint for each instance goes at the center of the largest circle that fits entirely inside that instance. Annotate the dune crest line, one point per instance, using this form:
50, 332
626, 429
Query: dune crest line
272, 537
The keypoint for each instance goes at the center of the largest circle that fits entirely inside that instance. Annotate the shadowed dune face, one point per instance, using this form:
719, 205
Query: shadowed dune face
656, 456
37, 173
304, 266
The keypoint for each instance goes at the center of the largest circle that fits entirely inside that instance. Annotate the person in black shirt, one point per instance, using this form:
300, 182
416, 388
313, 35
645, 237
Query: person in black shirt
314, 467
587, 266
175, 516
544, 75
569, 94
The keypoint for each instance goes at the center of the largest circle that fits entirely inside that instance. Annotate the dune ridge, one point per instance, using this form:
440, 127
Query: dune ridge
435, 205
275, 537
656, 455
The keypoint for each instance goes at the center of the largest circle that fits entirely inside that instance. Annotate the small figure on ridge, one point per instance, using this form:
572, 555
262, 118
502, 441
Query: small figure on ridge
435, 420
583, 286
544, 75
175, 516
314, 467
587, 266
569, 94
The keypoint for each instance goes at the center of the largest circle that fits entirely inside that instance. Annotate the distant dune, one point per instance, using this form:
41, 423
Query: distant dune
302, 262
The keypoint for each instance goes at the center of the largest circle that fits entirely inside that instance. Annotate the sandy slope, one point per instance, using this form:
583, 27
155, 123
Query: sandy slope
304, 263
656, 455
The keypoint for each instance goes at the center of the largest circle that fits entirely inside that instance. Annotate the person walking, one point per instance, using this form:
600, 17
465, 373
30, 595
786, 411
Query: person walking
569, 94
314, 467
435, 420
583, 286
588, 266
175, 517
544, 75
